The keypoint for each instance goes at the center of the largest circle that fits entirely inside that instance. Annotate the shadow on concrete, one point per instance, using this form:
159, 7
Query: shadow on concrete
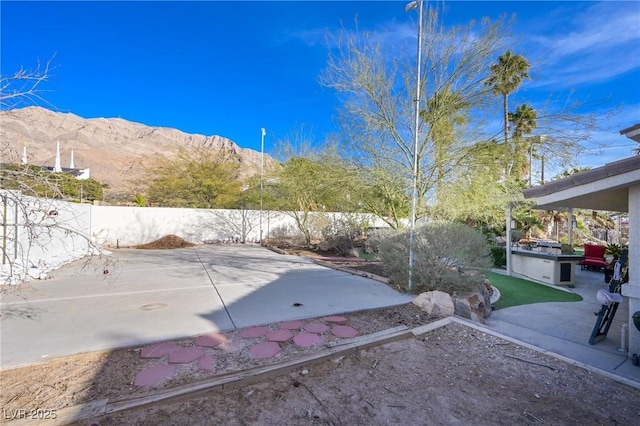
166, 295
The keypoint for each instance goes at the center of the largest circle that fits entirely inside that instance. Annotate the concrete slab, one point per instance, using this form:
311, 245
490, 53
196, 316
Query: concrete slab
565, 328
159, 295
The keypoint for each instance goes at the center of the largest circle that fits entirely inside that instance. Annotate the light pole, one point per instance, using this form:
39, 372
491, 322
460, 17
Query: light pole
264, 132
414, 197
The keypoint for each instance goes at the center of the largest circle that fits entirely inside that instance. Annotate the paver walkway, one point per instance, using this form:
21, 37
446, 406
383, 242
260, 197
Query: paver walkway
163, 361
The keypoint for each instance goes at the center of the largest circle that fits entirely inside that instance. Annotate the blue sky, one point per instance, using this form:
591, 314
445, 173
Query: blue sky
231, 68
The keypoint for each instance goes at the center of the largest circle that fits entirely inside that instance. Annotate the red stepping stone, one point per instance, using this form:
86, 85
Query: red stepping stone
306, 340
253, 332
211, 340
335, 320
158, 350
279, 335
264, 350
152, 375
186, 355
291, 325
207, 362
344, 331
316, 327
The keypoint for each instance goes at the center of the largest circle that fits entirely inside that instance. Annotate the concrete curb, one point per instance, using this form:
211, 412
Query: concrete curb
351, 271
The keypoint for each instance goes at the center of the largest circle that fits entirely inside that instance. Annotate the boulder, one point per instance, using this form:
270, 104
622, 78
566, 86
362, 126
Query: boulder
435, 303
487, 293
470, 306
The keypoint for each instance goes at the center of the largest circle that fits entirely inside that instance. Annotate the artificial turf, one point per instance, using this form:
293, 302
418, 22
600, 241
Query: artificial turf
516, 291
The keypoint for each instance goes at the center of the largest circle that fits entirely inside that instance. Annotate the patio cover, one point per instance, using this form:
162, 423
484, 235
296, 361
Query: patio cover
613, 187
603, 188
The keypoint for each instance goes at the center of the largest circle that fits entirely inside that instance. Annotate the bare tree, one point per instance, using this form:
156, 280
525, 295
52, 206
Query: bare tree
36, 228
25, 87
376, 81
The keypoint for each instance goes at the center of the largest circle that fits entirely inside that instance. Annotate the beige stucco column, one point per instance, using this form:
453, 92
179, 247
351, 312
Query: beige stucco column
632, 288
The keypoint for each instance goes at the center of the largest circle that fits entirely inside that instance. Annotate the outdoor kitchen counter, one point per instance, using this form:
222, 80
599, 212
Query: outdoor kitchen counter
549, 268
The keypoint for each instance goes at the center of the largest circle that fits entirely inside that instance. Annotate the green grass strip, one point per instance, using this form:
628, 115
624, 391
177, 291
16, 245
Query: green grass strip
516, 291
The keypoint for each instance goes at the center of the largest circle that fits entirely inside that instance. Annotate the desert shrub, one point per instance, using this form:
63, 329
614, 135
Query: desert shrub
375, 237
449, 257
282, 232
499, 256
339, 235
316, 225
341, 244
284, 236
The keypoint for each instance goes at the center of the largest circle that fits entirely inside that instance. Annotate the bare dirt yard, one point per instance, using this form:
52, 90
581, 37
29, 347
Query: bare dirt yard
455, 374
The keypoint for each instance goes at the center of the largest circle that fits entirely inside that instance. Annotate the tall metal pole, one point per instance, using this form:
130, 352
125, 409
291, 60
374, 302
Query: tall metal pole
264, 132
414, 198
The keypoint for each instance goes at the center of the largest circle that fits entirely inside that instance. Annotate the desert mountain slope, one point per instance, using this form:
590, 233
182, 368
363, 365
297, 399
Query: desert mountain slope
115, 150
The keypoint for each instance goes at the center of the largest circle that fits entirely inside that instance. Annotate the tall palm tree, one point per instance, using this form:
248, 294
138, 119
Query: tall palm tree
523, 122
505, 77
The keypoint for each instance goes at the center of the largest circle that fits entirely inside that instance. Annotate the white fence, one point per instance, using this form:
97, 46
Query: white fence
41, 233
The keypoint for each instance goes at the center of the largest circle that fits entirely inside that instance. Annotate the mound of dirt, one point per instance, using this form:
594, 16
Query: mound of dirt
165, 243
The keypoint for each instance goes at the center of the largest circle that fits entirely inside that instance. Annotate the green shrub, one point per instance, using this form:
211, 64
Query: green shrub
499, 255
449, 257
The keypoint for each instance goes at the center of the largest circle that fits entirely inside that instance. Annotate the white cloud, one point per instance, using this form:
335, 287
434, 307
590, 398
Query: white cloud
594, 45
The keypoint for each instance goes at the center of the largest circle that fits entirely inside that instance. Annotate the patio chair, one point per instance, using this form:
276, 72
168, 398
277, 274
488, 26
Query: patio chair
593, 257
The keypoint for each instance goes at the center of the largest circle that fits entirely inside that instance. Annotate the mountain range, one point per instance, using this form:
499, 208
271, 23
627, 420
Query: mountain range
116, 151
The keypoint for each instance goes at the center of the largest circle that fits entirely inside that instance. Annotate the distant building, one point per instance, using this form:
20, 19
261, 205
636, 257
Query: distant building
80, 174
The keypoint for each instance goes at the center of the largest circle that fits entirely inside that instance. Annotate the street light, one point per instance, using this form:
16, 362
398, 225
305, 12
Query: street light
264, 132
414, 197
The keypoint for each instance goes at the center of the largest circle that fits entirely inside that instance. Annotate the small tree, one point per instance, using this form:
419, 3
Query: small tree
197, 177
312, 180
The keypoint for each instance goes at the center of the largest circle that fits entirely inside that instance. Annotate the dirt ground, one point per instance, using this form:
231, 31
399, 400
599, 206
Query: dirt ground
452, 375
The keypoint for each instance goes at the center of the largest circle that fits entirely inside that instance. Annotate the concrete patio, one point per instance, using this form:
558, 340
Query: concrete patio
564, 328
159, 295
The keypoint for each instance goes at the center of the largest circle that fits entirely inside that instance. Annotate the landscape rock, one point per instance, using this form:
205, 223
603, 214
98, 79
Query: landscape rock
435, 303
470, 306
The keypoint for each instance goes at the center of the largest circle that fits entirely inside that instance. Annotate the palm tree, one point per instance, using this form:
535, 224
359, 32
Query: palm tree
523, 122
505, 78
